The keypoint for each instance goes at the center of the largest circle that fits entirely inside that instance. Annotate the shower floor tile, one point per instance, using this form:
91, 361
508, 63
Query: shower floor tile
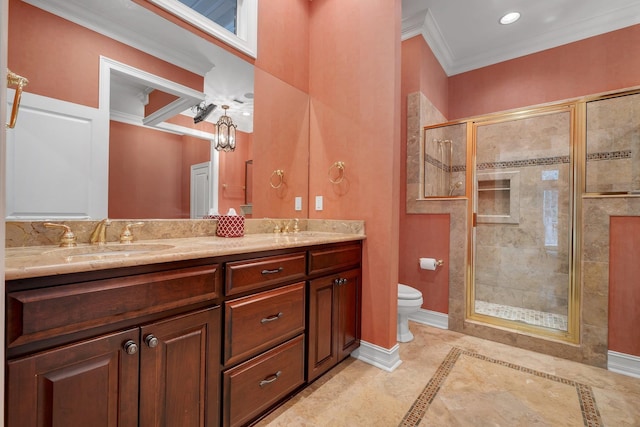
531, 317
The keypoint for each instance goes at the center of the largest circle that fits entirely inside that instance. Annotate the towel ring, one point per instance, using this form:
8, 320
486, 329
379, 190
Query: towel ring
278, 173
340, 167
20, 82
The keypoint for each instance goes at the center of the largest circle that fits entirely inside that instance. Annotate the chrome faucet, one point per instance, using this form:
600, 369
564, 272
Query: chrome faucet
99, 235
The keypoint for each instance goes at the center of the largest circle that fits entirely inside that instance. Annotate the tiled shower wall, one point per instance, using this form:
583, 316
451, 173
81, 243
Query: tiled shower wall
444, 166
524, 262
613, 145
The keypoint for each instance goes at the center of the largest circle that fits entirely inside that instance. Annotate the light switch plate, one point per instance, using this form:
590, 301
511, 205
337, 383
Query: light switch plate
298, 203
318, 203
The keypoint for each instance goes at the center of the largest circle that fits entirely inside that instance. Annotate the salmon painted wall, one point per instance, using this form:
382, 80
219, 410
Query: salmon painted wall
146, 173
422, 72
149, 172
427, 236
354, 86
597, 64
624, 289
423, 235
283, 41
62, 59
281, 108
280, 142
231, 166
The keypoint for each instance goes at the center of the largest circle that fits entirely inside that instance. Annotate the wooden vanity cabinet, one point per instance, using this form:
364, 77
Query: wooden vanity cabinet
90, 383
161, 345
159, 364
334, 310
263, 335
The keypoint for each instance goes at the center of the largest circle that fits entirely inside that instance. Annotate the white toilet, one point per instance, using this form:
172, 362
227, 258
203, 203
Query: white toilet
409, 301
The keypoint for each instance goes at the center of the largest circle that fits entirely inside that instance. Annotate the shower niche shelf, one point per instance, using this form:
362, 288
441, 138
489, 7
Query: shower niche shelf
499, 198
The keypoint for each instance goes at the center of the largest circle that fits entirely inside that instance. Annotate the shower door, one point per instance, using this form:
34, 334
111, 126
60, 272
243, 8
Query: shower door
522, 252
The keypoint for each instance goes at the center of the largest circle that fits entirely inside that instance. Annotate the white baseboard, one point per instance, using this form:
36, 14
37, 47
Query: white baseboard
431, 318
622, 363
385, 359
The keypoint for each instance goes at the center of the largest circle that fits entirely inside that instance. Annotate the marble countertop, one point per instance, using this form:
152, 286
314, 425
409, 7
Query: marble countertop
38, 261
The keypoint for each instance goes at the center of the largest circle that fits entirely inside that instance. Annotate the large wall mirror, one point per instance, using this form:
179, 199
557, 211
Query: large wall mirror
228, 80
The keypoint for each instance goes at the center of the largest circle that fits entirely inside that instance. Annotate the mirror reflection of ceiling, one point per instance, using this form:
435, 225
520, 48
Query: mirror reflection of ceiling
222, 12
465, 34
228, 78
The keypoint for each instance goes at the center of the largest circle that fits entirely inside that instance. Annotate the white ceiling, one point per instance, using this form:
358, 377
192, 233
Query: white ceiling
465, 34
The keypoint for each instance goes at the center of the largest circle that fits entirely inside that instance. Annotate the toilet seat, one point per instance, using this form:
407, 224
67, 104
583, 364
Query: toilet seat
408, 293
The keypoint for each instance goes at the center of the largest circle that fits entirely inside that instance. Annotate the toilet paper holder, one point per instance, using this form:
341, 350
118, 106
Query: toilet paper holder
430, 263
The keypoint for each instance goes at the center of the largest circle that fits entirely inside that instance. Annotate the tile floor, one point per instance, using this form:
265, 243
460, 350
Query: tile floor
451, 379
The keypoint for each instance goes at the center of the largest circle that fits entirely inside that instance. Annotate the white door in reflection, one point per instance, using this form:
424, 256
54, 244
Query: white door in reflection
200, 190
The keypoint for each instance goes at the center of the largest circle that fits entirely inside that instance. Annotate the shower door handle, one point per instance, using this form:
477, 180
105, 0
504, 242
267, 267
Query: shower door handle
474, 219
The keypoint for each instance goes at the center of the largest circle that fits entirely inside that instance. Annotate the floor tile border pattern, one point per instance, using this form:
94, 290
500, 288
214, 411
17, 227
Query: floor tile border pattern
588, 406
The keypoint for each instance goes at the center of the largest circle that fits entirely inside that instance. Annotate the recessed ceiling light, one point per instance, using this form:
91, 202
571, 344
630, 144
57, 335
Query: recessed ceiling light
510, 18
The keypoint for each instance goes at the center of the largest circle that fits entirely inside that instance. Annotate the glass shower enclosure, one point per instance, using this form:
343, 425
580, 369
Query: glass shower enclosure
522, 247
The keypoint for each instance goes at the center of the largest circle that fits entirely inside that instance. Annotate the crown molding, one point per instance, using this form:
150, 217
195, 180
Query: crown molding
423, 23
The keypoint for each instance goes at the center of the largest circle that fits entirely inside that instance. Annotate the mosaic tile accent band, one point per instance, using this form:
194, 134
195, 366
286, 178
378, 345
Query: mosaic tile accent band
609, 155
437, 163
588, 406
543, 161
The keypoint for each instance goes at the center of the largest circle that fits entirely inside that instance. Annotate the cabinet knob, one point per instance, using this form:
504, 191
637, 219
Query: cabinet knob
130, 347
340, 281
151, 340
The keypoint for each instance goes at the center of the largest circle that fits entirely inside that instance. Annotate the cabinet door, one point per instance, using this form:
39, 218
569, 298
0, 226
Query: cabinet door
180, 371
348, 323
91, 383
334, 320
322, 353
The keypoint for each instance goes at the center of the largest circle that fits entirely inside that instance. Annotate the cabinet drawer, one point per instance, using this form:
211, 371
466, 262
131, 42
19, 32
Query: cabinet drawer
255, 385
335, 258
38, 314
243, 276
260, 321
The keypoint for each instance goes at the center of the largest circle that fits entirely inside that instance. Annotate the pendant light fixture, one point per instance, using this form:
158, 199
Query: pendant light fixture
225, 136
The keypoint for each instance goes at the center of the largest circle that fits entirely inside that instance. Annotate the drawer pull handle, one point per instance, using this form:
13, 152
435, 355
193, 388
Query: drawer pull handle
271, 378
274, 271
271, 318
